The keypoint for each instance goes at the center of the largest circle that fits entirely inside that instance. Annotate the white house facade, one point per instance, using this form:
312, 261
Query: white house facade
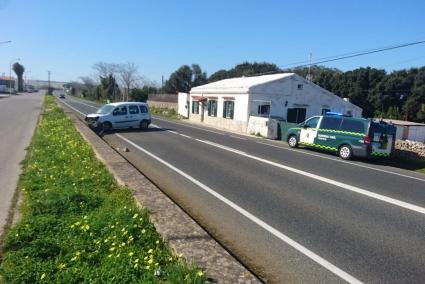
232, 103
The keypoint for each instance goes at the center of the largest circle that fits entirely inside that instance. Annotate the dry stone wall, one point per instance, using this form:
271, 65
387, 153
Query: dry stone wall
410, 148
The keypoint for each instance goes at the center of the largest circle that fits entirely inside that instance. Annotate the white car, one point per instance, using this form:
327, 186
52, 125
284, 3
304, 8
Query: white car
120, 115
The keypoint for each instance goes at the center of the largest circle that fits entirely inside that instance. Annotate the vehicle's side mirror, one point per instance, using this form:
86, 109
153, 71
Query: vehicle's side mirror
305, 126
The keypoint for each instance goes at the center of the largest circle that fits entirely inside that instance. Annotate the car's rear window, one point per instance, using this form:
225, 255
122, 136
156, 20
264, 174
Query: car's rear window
351, 125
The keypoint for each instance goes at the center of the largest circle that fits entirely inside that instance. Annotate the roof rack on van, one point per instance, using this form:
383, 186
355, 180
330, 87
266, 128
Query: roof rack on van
337, 114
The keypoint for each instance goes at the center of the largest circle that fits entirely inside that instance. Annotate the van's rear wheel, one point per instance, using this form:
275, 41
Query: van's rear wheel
345, 152
292, 141
144, 125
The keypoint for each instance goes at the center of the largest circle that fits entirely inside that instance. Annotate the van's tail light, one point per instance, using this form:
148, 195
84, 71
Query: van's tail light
366, 140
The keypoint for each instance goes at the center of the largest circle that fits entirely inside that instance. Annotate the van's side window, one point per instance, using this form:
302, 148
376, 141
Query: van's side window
352, 126
133, 109
121, 110
312, 122
143, 109
329, 122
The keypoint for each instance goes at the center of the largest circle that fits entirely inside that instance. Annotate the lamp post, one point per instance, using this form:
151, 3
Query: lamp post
10, 74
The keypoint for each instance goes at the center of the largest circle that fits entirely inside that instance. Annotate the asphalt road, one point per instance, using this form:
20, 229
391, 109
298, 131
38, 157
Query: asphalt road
18, 118
291, 215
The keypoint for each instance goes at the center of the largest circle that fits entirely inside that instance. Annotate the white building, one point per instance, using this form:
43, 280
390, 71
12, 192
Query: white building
408, 130
238, 104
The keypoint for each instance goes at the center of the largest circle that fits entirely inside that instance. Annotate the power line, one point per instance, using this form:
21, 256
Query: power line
353, 54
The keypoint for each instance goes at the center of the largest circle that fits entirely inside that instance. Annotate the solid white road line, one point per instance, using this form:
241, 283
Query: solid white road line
342, 161
79, 102
70, 106
324, 179
207, 130
323, 262
305, 153
358, 190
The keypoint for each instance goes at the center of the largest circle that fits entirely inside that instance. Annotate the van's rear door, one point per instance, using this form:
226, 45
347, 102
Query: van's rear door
383, 138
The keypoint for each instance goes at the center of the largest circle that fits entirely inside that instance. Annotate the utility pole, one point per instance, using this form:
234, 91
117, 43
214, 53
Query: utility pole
309, 69
48, 80
162, 84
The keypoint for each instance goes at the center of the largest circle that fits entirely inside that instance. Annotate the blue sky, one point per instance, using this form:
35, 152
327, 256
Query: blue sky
68, 37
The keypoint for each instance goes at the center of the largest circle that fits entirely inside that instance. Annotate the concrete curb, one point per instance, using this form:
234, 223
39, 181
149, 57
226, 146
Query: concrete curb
182, 233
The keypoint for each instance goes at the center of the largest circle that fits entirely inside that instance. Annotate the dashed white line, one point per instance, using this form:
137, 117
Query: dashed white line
318, 259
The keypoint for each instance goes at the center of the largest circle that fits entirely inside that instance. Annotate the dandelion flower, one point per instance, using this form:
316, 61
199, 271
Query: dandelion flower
200, 273
74, 258
150, 251
130, 253
157, 242
135, 216
43, 276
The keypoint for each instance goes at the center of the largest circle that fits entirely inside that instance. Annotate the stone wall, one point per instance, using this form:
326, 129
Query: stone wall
410, 148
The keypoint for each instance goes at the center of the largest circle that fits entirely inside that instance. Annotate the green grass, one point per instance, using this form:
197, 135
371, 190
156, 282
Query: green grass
164, 112
78, 225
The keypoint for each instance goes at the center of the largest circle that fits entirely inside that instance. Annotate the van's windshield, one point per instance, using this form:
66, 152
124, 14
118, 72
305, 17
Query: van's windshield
105, 109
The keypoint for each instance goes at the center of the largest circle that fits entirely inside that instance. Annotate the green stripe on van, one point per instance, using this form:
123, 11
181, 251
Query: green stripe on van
329, 148
380, 154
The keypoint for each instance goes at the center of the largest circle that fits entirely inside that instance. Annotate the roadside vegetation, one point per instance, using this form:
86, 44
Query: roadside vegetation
77, 224
164, 112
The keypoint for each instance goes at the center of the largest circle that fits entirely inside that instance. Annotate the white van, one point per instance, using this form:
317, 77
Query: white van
120, 115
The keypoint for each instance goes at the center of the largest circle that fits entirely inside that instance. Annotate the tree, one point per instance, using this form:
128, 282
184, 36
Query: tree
245, 69
199, 77
129, 76
109, 88
139, 95
89, 86
179, 81
19, 71
104, 69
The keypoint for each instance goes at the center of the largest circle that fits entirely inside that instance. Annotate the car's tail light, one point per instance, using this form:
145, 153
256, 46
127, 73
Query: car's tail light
366, 140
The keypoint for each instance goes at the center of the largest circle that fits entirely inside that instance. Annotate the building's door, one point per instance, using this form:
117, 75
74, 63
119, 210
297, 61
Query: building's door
309, 130
295, 115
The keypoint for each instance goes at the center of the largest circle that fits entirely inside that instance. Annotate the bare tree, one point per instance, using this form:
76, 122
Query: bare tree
129, 76
104, 69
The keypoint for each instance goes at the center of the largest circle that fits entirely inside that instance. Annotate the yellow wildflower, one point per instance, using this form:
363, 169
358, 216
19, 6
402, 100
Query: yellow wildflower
43, 276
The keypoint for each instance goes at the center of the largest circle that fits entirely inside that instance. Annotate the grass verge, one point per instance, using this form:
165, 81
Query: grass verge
77, 224
164, 112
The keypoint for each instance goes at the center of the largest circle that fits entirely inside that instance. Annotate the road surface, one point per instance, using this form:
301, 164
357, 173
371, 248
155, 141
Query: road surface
290, 215
18, 118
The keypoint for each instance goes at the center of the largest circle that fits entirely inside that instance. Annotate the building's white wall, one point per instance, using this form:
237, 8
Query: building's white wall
183, 104
416, 133
239, 121
286, 92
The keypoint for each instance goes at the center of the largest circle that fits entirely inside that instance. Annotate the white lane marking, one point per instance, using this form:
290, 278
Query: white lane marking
326, 180
80, 102
190, 126
73, 108
318, 259
237, 137
184, 135
342, 161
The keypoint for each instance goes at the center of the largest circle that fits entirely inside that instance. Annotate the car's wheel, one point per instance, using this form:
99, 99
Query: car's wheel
107, 125
144, 125
292, 141
345, 152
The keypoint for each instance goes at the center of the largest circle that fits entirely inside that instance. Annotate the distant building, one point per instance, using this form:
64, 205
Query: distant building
235, 103
6, 82
408, 130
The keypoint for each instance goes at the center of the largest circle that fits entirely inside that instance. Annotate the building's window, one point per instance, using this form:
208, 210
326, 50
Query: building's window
228, 109
212, 107
121, 110
300, 86
133, 109
143, 109
195, 107
350, 113
325, 110
264, 110
296, 115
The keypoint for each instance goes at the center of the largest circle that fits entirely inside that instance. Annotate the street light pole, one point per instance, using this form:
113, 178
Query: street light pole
10, 74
